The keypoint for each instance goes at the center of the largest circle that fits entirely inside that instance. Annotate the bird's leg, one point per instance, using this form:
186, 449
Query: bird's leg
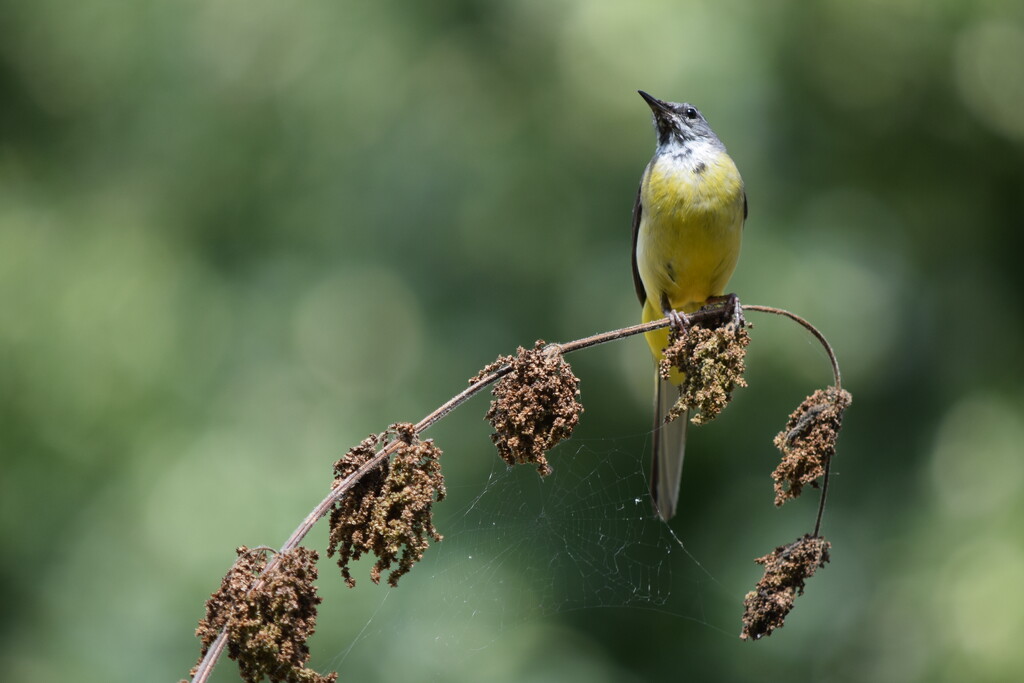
679, 320
732, 306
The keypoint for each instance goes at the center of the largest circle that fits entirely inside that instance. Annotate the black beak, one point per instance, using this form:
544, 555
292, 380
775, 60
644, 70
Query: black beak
656, 105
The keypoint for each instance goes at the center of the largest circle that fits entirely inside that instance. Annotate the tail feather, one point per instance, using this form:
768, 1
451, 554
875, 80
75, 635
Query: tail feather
669, 449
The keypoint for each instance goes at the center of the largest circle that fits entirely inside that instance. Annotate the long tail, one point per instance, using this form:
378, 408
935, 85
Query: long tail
669, 449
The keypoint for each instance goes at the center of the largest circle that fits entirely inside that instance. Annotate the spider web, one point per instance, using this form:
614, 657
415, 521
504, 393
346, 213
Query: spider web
584, 537
525, 548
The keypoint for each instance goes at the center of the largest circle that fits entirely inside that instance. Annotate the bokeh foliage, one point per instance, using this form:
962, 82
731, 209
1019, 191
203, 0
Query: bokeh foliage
238, 235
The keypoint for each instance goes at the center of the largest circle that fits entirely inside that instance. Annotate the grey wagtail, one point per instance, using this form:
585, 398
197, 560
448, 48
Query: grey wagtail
687, 225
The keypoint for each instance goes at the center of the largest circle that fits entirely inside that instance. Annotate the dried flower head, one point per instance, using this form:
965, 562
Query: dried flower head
712, 363
534, 406
350, 517
268, 620
785, 570
233, 587
809, 441
389, 512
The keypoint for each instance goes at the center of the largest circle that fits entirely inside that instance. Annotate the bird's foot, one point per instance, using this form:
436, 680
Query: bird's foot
678, 320
732, 307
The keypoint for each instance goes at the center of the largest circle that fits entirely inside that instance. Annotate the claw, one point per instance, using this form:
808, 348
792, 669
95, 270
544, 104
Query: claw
552, 350
731, 304
680, 321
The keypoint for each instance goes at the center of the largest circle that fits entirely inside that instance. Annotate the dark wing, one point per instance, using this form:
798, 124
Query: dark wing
744, 206
637, 282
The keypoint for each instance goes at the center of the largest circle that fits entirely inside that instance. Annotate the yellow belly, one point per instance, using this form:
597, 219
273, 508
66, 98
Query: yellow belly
689, 236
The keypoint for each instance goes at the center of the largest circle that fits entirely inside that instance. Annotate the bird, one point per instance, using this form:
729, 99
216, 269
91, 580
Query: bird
687, 227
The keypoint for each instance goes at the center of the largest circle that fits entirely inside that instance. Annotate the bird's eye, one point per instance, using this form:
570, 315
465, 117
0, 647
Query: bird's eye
691, 113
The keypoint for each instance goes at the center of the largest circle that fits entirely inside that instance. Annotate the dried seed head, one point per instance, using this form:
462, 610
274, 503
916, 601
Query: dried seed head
809, 441
350, 516
233, 587
785, 570
389, 512
403, 517
534, 406
712, 363
268, 621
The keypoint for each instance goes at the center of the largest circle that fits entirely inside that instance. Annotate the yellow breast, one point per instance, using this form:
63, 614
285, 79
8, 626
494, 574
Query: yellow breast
690, 229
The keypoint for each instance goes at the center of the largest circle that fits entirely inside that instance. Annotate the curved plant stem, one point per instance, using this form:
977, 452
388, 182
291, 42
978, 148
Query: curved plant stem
810, 328
709, 313
839, 387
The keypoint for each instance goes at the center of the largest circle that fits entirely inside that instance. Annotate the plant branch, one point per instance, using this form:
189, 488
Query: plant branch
810, 328
714, 312
838, 382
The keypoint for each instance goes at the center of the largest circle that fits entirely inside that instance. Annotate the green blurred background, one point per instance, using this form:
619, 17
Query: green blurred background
236, 236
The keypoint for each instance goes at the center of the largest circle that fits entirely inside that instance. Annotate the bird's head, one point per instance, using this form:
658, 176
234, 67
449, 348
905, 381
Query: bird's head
678, 122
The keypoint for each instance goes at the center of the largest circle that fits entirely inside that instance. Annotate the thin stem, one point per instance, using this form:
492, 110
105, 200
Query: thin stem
838, 382
812, 329
205, 667
824, 495
213, 653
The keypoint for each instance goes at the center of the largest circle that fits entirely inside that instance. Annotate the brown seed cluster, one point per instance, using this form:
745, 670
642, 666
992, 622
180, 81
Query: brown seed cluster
785, 570
389, 512
535, 406
712, 361
267, 626
809, 441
